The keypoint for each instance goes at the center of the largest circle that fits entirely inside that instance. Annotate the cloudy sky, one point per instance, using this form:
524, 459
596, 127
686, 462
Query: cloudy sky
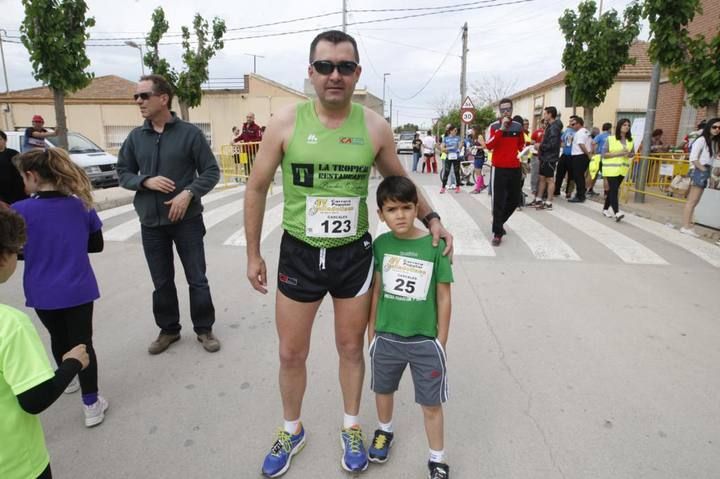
518, 42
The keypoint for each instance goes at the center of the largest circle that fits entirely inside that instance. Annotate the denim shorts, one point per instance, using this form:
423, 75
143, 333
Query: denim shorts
700, 178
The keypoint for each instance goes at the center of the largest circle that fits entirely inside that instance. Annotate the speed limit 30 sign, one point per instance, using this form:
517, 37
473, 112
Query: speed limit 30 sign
467, 111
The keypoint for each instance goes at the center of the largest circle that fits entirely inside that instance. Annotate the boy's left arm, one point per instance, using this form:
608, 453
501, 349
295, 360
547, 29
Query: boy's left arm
444, 308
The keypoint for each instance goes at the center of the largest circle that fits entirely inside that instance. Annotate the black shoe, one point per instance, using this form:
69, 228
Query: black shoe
576, 200
496, 240
438, 470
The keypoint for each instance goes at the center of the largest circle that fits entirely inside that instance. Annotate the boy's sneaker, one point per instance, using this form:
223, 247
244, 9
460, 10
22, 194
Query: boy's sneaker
438, 470
354, 458
607, 213
619, 216
442, 190
95, 413
73, 387
286, 445
547, 206
379, 450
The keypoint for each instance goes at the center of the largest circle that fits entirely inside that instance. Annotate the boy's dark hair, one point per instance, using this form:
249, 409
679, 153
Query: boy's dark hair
3, 135
607, 126
396, 188
552, 110
504, 101
160, 86
334, 37
12, 232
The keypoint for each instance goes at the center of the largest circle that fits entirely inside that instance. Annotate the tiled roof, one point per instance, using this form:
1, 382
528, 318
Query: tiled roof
641, 70
108, 88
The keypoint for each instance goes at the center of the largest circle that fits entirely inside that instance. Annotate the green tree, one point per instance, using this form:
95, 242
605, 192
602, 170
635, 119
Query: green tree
693, 61
596, 49
54, 33
407, 127
188, 82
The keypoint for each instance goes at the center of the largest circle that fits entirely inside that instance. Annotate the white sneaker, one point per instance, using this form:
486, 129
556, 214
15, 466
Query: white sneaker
689, 232
607, 213
95, 413
619, 216
73, 387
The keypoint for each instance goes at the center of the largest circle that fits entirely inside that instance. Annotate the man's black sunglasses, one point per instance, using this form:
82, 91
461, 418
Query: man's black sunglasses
326, 67
144, 95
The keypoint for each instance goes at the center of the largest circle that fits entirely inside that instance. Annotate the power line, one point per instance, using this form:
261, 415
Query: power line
377, 10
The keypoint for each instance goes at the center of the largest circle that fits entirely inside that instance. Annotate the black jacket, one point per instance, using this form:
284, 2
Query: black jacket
550, 146
180, 153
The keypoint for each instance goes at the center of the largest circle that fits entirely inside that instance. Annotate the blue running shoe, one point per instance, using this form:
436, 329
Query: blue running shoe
379, 450
354, 457
286, 445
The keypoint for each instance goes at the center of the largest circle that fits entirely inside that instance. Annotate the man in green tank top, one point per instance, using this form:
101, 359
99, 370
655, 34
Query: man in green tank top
326, 148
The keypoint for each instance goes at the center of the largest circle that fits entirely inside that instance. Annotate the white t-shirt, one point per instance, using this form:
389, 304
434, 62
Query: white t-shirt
700, 152
582, 137
428, 145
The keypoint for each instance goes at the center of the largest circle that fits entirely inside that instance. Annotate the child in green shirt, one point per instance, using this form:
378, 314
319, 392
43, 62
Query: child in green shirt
409, 320
28, 384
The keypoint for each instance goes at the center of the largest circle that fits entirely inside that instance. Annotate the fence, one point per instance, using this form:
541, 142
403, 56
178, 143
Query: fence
661, 169
236, 162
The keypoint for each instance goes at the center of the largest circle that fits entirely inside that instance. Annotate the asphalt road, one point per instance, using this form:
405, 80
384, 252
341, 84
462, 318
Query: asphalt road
581, 348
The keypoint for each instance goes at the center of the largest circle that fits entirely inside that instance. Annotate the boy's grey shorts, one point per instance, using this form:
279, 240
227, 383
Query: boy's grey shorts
390, 353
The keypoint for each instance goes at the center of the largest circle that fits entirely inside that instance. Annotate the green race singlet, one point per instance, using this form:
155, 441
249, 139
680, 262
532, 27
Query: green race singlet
325, 179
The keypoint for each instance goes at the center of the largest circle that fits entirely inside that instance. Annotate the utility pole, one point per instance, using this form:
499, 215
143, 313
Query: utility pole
385, 75
390, 113
647, 134
344, 16
7, 86
463, 74
255, 57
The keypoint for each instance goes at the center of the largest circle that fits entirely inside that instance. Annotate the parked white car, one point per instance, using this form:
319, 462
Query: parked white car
404, 143
99, 165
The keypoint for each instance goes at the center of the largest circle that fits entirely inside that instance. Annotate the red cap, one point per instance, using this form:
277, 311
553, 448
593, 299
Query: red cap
38, 118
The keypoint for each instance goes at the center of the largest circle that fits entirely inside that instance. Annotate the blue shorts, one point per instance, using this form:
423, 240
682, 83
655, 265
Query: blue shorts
700, 178
478, 163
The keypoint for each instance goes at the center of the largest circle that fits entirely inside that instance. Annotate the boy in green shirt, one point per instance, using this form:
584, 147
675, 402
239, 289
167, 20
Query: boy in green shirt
28, 384
409, 320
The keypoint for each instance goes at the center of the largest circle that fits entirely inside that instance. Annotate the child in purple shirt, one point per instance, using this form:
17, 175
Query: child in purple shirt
62, 228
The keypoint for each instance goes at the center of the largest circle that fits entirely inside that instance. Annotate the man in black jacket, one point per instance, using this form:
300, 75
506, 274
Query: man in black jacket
549, 153
169, 164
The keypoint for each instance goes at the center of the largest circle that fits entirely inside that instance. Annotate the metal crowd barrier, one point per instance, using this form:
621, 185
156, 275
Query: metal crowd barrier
661, 169
236, 162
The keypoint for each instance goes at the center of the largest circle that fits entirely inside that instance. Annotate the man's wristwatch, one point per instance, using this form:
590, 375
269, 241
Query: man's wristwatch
189, 191
430, 216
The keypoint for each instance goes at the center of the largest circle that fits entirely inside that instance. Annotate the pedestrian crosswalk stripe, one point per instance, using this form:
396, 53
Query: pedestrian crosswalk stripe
117, 211
271, 221
130, 228
217, 215
468, 239
543, 243
627, 249
702, 249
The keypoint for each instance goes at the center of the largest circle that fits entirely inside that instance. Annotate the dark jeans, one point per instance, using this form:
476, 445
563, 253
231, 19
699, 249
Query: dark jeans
416, 159
506, 196
455, 165
157, 244
69, 327
611, 199
577, 167
562, 169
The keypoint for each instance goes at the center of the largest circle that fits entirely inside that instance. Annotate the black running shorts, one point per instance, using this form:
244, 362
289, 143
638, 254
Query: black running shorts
548, 169
307, 273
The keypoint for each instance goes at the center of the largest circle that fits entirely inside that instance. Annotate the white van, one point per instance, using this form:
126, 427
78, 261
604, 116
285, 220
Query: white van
99, 165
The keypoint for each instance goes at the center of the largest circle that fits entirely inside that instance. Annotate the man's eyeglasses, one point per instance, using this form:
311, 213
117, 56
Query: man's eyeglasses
326, 67
143, 95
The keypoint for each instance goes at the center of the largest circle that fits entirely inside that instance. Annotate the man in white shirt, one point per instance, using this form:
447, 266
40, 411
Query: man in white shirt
428, 147
580, 157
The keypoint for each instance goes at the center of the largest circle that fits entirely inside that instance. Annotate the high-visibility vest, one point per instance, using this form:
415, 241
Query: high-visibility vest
618, 165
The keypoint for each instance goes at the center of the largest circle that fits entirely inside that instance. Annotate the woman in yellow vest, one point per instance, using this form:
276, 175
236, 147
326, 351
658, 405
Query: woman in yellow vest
615, 165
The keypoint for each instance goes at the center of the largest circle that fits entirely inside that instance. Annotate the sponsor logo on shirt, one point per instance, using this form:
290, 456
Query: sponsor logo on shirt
303, 174
346, 140
312, 139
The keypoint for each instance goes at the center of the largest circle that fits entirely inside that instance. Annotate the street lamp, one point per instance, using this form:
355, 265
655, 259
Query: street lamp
132, 44
385, 75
